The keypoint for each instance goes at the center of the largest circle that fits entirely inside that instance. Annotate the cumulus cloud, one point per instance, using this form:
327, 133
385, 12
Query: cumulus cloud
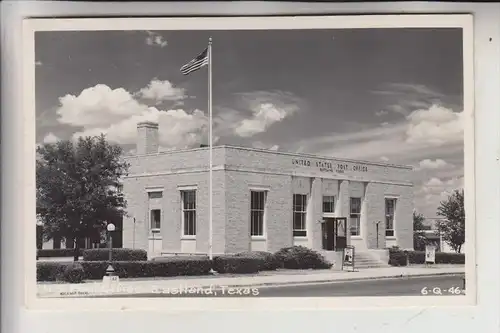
403, 98
50, 138
160, 91
432, 164
98, 106
154, 39
264, 116
435, 126
255, 112
115, 112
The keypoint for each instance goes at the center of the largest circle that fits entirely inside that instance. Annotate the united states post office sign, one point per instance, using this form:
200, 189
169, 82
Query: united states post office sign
328, 166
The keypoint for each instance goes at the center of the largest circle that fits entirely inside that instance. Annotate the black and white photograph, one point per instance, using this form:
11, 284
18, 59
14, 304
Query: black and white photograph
327, 159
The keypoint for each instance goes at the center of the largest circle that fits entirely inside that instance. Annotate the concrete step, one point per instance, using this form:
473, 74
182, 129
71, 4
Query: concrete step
366, 260
361, 259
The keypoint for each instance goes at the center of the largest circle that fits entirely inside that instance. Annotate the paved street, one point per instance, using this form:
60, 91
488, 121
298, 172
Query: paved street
413, 286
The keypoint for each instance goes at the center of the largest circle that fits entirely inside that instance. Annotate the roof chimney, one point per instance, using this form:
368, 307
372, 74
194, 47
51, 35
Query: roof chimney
147, 138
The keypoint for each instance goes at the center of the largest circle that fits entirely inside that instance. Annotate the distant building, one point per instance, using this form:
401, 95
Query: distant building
262, 200
434, 237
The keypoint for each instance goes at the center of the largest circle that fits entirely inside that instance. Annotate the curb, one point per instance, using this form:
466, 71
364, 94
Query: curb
278, 284
388, 277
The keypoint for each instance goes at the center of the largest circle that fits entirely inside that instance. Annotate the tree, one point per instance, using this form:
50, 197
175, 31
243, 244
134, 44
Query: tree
419, 237
78, 187
452, 226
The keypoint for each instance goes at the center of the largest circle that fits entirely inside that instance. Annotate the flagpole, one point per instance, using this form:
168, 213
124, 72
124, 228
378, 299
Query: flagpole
210, 239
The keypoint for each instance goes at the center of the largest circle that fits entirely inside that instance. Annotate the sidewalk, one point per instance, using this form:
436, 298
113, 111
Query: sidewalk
261, 280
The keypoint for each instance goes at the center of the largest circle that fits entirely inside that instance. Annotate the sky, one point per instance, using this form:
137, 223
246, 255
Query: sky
384, 95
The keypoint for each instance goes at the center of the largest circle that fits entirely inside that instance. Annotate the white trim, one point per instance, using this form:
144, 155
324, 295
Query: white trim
188, 237
394, 220
154, 189
154, 238
259, 238
259, 188
359, 215
302, 212
304, 238
335, 201
264, 217
150, 210
266, 172
174, 172
187, 187
291, 154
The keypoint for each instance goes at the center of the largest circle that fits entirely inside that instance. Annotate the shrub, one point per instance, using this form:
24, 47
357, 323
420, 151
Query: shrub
237, 264
49, 271
136, 269
117, 254
180, 257
269, 260
301, 257
450, 258
416, 257
53, 253
397, 257
95, 270
73, 273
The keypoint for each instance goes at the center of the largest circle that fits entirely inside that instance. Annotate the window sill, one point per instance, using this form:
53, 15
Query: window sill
390, 237
188, 237
300, 237
356, 237
155, 237
258, 238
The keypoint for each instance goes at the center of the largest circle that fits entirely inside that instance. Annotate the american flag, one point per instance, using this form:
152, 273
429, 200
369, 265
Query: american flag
195, 64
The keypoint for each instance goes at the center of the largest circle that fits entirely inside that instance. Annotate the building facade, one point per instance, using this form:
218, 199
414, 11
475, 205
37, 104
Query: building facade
262, 201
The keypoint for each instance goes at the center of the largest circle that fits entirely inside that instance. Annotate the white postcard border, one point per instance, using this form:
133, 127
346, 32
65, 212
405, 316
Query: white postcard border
244, 23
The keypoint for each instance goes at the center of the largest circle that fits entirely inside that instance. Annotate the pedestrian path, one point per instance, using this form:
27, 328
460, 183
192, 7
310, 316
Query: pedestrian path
261, 280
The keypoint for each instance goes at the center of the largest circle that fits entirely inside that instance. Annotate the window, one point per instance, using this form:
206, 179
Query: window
257, 204
188, 198
355, 216
299, 215
155, 219
390, 208
155, 195
329, 204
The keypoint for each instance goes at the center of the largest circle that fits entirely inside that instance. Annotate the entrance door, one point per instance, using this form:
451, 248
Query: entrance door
340, 233
328, 232
334, 231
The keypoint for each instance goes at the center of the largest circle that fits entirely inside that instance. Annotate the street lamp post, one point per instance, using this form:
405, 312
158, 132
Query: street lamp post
133, 236
376, 224
39, 235
110, 228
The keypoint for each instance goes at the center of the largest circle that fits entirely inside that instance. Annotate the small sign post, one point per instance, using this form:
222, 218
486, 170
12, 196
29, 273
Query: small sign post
430, 254
349, 256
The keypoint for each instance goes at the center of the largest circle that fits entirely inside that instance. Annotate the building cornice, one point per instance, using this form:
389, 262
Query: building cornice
267, 172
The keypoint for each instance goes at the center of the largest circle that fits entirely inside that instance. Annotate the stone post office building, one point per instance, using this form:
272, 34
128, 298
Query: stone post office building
262, 200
